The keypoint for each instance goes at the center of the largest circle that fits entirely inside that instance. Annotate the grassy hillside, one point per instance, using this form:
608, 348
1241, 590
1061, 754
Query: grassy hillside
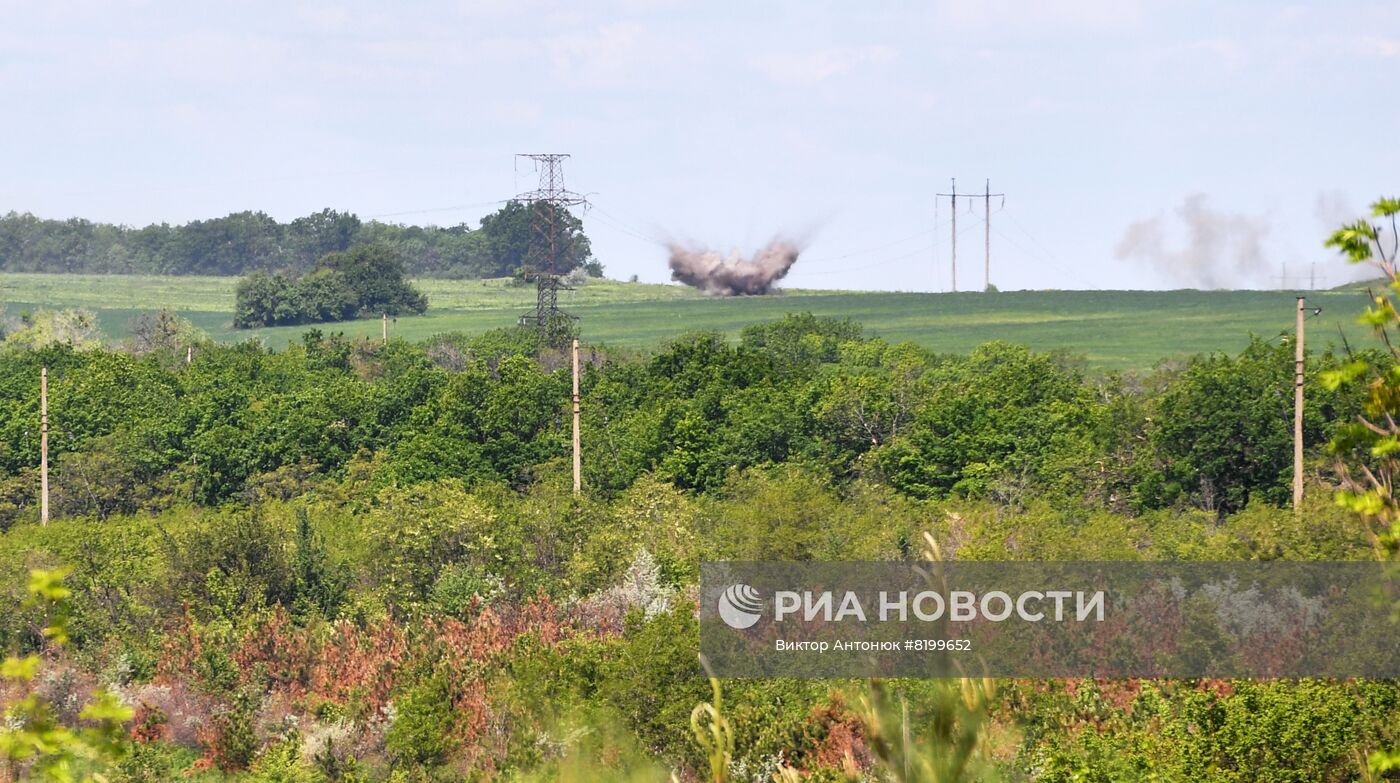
1112, 329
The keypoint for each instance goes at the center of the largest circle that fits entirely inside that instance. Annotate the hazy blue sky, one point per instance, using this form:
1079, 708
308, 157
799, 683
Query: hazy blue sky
1108, 123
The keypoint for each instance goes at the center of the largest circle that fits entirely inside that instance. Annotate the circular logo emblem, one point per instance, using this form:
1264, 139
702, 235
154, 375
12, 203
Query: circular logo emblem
740, 606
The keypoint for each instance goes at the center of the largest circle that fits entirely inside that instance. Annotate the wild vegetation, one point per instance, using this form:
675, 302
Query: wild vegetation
358, 561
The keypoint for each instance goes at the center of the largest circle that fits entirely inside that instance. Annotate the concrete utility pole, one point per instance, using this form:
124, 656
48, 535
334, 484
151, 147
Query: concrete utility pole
1298, 411
987, 216
44, 446
384, 327
578, 457
954, 197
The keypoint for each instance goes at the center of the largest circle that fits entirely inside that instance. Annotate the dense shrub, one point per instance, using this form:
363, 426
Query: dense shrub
366, 280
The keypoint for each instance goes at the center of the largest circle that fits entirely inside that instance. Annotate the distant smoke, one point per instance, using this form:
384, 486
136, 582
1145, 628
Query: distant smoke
1222, 249
731, 275
1332, 209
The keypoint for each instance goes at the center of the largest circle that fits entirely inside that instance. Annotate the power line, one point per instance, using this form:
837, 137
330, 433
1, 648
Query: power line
876, 248
918, 251
609, 219
1042, 257
1045, 253
436, 209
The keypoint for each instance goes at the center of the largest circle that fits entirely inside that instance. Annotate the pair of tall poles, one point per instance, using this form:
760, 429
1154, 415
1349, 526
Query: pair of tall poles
987, 196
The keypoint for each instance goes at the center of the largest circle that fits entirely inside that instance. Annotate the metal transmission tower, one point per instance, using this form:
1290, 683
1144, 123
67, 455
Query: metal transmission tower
550, 239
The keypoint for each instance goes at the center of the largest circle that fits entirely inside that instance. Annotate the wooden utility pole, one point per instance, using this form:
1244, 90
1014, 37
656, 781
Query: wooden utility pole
384, 326
44, 446
578, 457
1298, 411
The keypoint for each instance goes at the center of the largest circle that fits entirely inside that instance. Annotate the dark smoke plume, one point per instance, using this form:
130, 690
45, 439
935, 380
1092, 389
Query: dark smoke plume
714, 273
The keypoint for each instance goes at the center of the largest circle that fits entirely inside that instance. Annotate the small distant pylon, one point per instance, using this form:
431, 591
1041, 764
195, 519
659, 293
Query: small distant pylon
550, 240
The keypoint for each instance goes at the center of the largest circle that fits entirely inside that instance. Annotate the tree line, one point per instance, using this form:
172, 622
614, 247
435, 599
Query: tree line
1002, 422
245, 242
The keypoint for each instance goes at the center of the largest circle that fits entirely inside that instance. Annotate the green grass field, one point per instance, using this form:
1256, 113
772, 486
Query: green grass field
1111, 329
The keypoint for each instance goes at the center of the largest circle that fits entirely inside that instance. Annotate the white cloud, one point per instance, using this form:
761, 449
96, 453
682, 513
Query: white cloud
1088, 14
624, 54
1384, 48
815, 66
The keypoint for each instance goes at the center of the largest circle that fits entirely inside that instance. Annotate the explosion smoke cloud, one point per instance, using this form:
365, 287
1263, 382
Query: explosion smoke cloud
1222, 249
732, 275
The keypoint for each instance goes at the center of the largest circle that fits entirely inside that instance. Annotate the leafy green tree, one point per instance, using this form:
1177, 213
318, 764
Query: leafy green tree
1000, 412
111, 474
242, 241
257, 298
1223, 432
801, 340
1368, 451
375, 276
319, 233
511, 231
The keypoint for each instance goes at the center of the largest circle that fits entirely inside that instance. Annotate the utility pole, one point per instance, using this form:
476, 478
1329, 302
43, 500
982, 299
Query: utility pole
954, 197
578, 457
384, 326
987, 216
1298, 411
189, 354
44, 446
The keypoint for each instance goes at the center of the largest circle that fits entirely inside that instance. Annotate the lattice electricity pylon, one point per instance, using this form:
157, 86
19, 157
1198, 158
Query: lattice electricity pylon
550, 240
